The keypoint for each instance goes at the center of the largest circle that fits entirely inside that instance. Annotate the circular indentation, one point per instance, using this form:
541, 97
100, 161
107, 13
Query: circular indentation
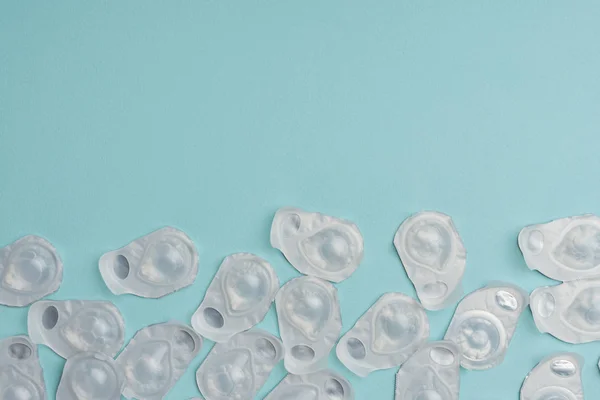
479, 337
535, 242
545, 304
334, 390
428, 394
563, 368
121, 267
356, 348
93, 378
184, 340
19, 351
433, 290
303, 353
290, 225
30, 267
429, 243
265, 349
50, 317
18, 392
213, 318
553, 393
506, 300
336, 248
441, 355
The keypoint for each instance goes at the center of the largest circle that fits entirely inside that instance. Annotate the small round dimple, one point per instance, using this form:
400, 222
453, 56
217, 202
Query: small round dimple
50, 317
433, 290
19, 351
121, 267
545, 304
563, 368
356, 348
213, 318
265, 349
428, 394
290, 225
441, 356
506, 300
334, 390
303, 353
185, 341
535, 242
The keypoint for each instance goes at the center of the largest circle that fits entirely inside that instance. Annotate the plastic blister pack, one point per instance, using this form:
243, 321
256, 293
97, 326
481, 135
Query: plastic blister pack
556, 377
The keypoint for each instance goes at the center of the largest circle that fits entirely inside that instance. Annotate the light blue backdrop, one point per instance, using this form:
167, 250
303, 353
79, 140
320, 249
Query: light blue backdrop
117, 119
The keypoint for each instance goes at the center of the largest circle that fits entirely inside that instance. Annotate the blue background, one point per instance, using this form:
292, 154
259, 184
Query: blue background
117, 119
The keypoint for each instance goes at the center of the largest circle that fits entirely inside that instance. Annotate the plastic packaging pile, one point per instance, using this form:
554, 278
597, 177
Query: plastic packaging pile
392, 333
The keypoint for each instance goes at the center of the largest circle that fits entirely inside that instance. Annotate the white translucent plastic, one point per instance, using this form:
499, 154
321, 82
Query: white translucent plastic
557, 377
569, 311
30, 269
238, 368
432, 373
238, 298
433, 256
73, 326
308, 311
21, 376
318, 245
385, 336
322, 385
565, 249
90, 375
152, 266
156, 358
484, 323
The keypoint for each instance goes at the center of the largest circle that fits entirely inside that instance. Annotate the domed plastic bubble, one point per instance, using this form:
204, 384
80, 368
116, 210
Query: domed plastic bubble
309, 318
565, 249
433, 256
153, 266
238, 368
156, 358
385, 336
433, 372
484, 323
316, 244
21, 375
569, 311
30, 269
556, 377
90, 375
238, 298
322, 385
73, 326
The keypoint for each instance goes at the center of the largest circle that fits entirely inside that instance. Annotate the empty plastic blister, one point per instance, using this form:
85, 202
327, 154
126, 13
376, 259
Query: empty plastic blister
569, 311
238, 298
433, 256
557, 377
322, 385
309, 318
385, 336
433, 372
153, 266
73, 326
316, 244
238, 368
564, 249
21, 376
90, 375
484, 323
156, 358
30, 269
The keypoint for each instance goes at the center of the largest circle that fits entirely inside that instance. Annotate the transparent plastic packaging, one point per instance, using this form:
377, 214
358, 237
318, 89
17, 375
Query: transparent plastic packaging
238, 298
30, 268
433, 372
433, 256
238, 368
322, 385
156, 358
385, 336
308, 311
21, 376
152, 266
556, 377
90, 375
569, 311
318, 245
484, 323
73, 326
564, 249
